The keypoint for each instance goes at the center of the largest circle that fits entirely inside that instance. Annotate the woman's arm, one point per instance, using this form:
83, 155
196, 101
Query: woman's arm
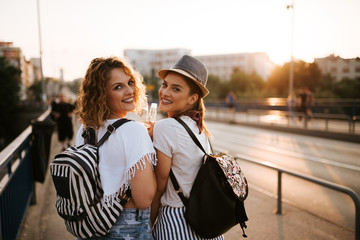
162, 171
143, 186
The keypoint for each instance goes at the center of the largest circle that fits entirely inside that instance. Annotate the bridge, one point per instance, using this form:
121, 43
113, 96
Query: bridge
28, 212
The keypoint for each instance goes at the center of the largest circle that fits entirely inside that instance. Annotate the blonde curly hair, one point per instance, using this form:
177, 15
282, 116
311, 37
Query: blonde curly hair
91, 102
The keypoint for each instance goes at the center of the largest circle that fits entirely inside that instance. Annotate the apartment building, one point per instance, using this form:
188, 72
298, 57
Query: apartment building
29, 68
223, 65
339, 68
148, 62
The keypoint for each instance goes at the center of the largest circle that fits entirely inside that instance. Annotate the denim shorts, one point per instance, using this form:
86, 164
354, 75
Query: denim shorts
132, 224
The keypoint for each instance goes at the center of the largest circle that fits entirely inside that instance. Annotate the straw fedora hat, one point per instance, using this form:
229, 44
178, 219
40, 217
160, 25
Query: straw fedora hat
191, 68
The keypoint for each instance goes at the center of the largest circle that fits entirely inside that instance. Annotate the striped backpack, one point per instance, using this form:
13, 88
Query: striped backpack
79, 192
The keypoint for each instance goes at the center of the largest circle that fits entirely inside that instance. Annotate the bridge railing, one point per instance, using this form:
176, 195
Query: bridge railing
350, 107
17, 188
322, 182
248, 116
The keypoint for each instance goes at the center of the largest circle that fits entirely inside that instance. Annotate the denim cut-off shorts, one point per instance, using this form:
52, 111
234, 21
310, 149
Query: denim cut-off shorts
132, 224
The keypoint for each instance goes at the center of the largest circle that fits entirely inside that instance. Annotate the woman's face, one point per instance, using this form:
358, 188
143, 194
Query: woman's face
120, 91
174, 95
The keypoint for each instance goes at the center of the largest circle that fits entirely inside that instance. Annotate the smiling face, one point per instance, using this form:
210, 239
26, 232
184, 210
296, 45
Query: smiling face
120, 92
175, 96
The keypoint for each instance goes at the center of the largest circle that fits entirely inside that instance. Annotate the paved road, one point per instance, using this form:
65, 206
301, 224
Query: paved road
335, 161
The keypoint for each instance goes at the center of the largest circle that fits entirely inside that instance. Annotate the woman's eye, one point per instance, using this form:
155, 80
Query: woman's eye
131, 82
164, 85
176, 89
118, 87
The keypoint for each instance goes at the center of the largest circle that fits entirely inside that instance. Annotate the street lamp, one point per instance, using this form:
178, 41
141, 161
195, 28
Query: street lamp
43, 95
291, 101
291, 74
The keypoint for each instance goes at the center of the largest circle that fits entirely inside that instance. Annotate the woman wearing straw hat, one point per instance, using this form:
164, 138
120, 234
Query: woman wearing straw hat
181, 95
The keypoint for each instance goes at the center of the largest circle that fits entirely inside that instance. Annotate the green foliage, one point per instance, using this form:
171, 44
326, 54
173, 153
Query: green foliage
305, 75
9, 96
153, 94
242, 84
246, 85
347, 88
217, 89
36, 90
74, 86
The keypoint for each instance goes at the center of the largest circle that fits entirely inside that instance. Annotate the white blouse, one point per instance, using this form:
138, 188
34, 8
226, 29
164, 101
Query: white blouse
171, 138
125, 150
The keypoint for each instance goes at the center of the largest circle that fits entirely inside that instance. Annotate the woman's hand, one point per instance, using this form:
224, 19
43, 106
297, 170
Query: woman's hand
150, 128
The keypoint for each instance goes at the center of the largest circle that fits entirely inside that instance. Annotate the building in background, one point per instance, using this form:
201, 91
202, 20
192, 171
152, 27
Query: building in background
35, 62
148, 62
30, 69
223, 65
339, 68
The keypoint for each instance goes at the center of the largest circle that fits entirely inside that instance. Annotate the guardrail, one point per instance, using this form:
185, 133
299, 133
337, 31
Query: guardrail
350, 107
288, 115
17, 188
322, 182
324, 116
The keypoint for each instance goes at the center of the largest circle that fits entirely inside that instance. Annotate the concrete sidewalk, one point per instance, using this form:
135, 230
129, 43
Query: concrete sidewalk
43, 223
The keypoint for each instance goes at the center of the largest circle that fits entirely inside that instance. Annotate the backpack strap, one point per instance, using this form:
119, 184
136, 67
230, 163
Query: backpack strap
177, 188
89, 136
180, 193
192, 135
111, 128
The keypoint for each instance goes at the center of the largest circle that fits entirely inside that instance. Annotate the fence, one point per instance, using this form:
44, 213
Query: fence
349, 107
17, 188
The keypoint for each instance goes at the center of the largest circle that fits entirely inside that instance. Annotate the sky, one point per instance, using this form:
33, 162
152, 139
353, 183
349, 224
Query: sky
73, 32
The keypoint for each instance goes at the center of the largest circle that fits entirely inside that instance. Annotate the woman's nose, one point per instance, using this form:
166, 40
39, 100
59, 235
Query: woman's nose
165, 91
130, 89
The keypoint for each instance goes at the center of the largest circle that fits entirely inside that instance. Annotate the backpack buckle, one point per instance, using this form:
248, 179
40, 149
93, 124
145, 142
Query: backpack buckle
111, 129
178, 191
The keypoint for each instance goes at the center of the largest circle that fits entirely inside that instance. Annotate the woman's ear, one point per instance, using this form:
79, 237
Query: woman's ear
193, 98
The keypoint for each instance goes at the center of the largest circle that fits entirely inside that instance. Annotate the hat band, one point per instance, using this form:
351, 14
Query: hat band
185, 70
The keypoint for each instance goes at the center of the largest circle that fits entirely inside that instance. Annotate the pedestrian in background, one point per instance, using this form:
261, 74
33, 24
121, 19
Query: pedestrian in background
291, 105
62, 113
111, 88
181, 95
309, 102
306, 99
230, 103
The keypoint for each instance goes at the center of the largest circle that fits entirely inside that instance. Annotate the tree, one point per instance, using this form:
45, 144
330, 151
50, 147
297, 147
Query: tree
348, 88
246, 85
36, 90
9, 97
74, 85
217, 88
152, 85
305, 75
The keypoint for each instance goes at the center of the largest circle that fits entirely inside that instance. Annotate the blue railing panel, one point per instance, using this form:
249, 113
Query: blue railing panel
16, 194
17, 184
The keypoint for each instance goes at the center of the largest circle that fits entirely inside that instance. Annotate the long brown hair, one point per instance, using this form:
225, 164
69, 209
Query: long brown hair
91, 103
198, 109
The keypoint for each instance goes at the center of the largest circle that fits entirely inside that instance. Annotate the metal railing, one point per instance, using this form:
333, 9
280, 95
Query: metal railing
17, 187
221, 112
322, 182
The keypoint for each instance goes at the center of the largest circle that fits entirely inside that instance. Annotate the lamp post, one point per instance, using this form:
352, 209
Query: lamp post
43, 95
291, 101
291, 72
